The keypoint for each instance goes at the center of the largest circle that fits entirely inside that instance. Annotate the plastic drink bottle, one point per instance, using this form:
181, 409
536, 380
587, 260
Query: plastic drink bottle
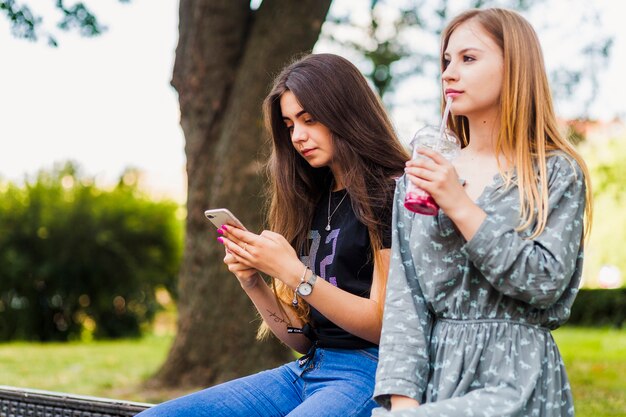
447, 144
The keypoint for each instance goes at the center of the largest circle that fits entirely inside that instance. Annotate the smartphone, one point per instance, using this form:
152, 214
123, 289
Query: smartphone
222, 216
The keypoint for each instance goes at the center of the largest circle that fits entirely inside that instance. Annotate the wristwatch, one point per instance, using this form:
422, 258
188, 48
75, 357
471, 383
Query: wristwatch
306, 287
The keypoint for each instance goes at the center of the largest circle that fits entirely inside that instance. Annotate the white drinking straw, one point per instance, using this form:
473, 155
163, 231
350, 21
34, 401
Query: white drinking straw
444, 119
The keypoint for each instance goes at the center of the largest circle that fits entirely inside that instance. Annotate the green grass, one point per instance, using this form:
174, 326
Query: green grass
595, 361
113, 369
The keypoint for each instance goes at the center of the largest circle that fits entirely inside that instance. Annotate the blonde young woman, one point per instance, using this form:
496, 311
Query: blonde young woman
335, 158
474, 291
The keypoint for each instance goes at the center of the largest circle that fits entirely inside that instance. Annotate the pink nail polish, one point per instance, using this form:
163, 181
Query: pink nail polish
220, 231
219, 239
224, 227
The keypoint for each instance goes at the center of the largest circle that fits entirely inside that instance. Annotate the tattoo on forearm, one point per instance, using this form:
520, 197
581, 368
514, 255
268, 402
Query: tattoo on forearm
276, 318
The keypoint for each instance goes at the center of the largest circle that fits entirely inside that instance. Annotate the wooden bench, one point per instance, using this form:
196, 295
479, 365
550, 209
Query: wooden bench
21, 402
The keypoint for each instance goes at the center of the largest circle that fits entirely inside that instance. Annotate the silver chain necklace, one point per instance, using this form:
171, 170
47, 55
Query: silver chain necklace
330, 215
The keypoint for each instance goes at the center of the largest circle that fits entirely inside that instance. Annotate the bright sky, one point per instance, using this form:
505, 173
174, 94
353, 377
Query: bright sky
104, 102
107, 104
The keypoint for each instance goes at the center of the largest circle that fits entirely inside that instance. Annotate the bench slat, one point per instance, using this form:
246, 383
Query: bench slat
22, 402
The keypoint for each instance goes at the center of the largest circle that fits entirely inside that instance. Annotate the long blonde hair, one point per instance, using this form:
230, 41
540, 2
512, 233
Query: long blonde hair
335, 93
529, 130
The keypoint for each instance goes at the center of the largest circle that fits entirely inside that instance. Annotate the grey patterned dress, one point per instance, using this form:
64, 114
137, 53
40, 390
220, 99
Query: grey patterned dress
466, 329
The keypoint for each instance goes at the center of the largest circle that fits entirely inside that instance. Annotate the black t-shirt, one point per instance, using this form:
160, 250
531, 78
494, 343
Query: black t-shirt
343, 257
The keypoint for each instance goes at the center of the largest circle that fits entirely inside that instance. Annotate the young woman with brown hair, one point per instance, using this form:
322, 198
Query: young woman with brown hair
332, 171
475, 290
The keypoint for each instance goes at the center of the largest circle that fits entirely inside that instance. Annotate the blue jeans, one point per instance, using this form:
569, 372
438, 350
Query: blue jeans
333, 383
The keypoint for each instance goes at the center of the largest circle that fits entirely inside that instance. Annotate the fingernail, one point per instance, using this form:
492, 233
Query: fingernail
220, 231
224, 227
219, 239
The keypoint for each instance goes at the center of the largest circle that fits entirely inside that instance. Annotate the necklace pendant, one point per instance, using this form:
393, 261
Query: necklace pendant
330, 214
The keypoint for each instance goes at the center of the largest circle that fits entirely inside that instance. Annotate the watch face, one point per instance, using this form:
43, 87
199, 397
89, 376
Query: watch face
304, 289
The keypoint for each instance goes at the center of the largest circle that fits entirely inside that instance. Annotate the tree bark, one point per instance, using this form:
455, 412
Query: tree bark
226, 58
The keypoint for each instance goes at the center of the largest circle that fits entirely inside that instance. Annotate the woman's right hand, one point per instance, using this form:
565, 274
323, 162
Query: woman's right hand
248, 277
268, 252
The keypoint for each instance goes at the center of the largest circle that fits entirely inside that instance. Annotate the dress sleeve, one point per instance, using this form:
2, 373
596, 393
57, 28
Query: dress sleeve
536, 271
403, 366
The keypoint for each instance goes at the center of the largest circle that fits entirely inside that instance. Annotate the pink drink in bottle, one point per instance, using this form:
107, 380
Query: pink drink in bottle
446, 143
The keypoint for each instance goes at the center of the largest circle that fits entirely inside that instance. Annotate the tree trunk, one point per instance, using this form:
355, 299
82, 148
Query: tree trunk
226, 57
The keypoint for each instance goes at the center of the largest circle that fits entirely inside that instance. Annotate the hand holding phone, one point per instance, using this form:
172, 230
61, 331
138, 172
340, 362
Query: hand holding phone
222, 216
246, 275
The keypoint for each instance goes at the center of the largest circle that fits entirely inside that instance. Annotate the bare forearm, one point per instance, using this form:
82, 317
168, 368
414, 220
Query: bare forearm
276, 318
356, 315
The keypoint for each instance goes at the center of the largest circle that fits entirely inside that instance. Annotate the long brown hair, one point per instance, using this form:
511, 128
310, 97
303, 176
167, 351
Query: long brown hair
334, 93
528, 126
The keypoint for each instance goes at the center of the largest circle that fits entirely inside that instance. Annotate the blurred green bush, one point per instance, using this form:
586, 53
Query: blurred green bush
601, 307
78, 261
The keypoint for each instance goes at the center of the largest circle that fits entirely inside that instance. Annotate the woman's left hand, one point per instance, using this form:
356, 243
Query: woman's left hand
268, 252
437, 176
